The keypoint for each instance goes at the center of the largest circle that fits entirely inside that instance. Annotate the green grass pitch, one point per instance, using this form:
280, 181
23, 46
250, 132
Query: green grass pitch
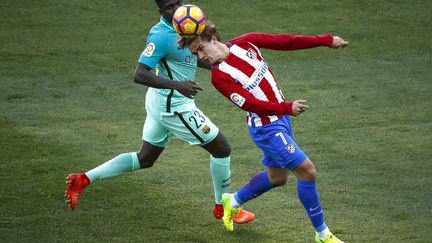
68, 103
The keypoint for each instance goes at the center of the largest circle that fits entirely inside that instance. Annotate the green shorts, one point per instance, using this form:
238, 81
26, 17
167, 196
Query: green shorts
191, 126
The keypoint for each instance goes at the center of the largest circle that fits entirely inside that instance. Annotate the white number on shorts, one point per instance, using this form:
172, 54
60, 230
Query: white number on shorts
197, 118
279, 134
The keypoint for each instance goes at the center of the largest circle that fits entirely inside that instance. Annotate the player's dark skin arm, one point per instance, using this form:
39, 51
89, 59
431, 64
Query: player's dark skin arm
145, 77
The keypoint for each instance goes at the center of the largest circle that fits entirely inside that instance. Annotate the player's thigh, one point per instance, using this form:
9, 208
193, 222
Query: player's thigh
191, 126
154, 132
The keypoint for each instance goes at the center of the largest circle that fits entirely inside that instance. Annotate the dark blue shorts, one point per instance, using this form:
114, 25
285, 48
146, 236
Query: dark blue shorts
276, 142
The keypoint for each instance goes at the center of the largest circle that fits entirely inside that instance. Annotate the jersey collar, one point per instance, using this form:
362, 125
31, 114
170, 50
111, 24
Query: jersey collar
165, 22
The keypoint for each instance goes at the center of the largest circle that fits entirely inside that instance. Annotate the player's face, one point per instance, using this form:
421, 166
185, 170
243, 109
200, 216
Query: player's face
207, 51
170, 6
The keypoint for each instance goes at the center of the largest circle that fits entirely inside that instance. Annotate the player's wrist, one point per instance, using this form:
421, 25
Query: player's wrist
171, 84
328, 40
289, 109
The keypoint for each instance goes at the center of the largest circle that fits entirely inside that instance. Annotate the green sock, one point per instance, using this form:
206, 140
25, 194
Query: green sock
221, 176
117, 166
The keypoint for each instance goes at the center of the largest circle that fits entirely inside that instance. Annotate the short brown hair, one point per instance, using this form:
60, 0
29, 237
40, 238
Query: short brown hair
209, 31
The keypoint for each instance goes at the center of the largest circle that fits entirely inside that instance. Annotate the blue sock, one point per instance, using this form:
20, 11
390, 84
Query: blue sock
259, 184
308, 196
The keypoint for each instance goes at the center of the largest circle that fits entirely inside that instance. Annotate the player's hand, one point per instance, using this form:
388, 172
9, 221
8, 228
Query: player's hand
298, 107
188, 88
339, 42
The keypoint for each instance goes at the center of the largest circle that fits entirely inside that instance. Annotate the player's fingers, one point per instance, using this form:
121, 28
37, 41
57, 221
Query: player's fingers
196, 85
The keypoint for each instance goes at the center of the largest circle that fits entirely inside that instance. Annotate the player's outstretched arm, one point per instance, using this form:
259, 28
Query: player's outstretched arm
339, 42
145, 77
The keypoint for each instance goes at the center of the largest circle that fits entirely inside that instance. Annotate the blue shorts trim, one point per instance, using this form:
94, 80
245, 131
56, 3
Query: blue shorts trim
277, 144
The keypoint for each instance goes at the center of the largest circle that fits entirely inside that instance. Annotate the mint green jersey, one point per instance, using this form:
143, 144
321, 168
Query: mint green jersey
169, 61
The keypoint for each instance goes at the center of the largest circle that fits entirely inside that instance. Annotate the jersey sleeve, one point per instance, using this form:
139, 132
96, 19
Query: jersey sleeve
226, 85
285, 42
155, 50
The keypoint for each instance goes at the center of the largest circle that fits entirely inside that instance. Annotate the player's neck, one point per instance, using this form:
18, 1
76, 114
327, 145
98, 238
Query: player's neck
224, 50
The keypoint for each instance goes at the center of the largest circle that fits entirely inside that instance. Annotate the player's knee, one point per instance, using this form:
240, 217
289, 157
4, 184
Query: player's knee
219, 147
145, 161
311, 174
306, 171
225, 149
278, 180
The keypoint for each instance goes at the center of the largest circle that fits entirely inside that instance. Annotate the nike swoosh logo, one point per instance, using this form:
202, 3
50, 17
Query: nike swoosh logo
226, 185
312, 209
223, 181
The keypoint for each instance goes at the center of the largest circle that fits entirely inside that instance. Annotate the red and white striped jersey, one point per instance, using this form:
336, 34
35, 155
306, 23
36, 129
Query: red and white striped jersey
245, 78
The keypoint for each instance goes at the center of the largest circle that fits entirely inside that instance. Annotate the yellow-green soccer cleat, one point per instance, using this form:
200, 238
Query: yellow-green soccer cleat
330, 238
229, 212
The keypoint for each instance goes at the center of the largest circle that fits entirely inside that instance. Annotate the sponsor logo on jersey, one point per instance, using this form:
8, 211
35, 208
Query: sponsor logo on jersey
290, 148
206, 129
237, 99
149, 49
258, 76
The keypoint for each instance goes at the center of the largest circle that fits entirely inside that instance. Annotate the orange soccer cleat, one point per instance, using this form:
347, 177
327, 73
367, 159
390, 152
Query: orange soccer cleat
242, 217
76, 183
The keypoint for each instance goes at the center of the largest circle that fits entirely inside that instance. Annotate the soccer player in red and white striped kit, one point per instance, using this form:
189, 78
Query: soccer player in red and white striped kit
241, 74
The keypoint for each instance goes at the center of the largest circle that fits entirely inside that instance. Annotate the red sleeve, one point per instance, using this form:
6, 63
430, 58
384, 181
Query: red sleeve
243, 99
284, 42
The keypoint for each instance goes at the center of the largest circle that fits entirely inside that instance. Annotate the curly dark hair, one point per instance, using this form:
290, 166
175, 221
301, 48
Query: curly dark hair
160, 3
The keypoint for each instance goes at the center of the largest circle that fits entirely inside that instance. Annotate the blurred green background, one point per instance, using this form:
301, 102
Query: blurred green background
68, 103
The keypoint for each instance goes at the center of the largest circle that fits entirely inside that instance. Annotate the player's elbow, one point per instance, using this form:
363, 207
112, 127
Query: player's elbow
142, 74
136, 78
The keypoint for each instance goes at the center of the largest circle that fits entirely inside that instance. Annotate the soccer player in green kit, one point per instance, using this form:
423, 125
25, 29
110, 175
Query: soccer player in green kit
171, 110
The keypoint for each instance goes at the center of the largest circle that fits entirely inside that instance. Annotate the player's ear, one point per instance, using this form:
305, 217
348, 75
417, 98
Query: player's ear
214, 39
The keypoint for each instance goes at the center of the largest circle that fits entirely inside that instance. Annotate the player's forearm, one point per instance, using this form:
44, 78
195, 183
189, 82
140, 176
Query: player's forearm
268, 108
149, 79
298, 42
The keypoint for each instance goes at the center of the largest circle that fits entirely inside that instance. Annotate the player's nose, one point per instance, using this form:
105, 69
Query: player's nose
200, 56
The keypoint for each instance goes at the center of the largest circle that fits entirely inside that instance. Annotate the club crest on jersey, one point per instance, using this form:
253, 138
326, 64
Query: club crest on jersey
149, 49
206, 129
237, 99
290, 148
251, 54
